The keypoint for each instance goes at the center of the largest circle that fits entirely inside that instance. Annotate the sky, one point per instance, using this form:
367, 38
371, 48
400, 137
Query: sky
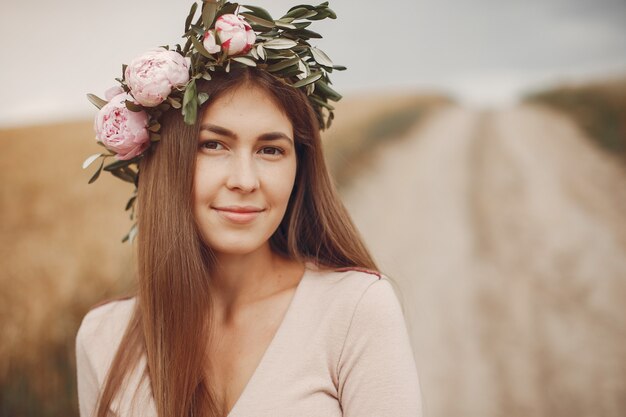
481, 52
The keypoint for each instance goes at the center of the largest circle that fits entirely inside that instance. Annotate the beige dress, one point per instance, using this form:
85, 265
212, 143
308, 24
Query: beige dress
342, 349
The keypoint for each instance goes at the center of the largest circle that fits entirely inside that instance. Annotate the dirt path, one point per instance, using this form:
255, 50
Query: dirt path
506, 233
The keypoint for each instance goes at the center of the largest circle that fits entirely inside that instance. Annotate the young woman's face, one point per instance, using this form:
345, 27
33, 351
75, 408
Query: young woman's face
245, 171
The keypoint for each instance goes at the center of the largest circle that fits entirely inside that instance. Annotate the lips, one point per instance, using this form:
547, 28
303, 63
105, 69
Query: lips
239, 214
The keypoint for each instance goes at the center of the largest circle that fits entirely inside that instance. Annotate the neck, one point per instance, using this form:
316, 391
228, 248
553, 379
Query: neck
241, 279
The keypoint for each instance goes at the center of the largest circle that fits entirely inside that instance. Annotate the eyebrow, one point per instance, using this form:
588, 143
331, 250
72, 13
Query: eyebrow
225, 132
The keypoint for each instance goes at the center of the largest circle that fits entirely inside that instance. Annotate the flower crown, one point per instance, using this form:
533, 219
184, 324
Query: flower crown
221, 38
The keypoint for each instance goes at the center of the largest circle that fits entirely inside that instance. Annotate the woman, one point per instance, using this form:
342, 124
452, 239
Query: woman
256, 295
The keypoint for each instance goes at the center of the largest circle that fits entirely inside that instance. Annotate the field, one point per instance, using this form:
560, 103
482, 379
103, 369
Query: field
599, 108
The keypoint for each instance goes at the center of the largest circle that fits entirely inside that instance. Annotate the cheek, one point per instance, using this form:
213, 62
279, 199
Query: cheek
203, 183
282, 184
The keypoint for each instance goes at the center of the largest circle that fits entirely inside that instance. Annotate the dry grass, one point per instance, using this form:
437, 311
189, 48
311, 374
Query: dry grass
61, 250
365, 123
599, 108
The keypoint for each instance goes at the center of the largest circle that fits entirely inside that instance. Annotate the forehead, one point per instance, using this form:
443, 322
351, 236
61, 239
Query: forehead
247, 105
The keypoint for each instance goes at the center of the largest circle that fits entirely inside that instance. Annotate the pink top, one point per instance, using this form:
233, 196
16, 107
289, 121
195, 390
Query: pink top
342, 349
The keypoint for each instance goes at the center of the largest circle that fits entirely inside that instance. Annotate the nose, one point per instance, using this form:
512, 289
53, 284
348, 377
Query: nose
242, 174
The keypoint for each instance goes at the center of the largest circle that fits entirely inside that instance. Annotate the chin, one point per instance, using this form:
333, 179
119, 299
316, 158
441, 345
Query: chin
237, 247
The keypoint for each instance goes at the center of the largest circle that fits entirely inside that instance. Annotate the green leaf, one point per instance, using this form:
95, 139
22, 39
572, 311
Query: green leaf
202, 98
261, 52
331, 14
321, 102
90, 160
320, 57
258, 11
327, 91
308, 80
192, 12
96, 101
308, 34
321, 14
155, 127
133, 106
228, 8
298, 13
289, 72
154, 137
199, 47
164, 106
209, 10
123, 175
175, 103
130, 236
245, 60
301, 6
302, 25
339, 67
97, 173
118, 164
258, 20
190, 103
197, 30
284, 25
280, 44
283, 64
131, 201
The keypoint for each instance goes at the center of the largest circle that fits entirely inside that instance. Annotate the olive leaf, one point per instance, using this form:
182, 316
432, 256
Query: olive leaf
130, 236
280, 44
259, 12
284, 64
209, 10
130, 203
200, 47
284, 25
97, 173
96, 101
202, 98
261, 52
320, 57
308, 80
91, 159
134, 107
190, 103
192, 12
258, 20
245, 60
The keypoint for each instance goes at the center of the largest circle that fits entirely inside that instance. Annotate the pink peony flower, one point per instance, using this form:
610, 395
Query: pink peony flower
210, 43
152, 76
112, 92
235, 34
120, 130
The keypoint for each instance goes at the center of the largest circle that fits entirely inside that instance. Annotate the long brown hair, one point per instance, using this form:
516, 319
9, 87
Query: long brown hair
172, 318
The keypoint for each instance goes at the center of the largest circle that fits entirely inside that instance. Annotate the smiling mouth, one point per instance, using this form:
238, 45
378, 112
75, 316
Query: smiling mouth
238, 215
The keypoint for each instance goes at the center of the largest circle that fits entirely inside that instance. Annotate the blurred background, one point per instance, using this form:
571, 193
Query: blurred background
480, 148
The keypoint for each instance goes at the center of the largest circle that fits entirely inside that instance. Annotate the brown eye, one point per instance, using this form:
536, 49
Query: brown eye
211, 144
271, 150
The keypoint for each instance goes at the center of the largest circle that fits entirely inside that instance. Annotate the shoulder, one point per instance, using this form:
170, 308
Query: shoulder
352, 291
107, 318
101, 332
351, 282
